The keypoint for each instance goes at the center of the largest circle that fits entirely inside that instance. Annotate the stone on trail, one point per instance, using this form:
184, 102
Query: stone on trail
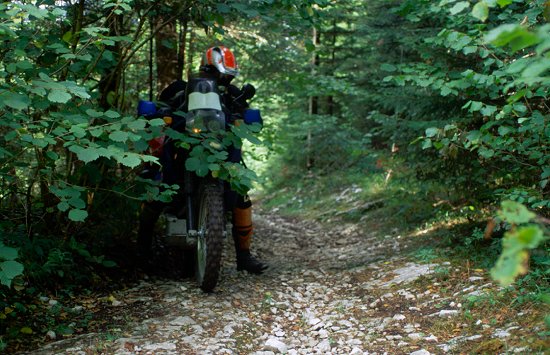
501, 333
431, 338
398, 317
415, 336
324, 346
411, 272
445, 313
420, 352
160, 346
181, 321
273, 344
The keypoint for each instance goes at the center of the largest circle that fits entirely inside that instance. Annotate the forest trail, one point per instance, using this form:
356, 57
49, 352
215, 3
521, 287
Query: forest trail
340, 291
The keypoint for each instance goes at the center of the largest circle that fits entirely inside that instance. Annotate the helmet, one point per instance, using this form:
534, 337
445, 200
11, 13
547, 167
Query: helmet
222, 59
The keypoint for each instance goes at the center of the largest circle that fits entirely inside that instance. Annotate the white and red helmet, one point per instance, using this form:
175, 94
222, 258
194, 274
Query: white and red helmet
222, 59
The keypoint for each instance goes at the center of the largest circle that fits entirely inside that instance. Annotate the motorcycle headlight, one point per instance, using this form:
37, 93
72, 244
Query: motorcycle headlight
199, 121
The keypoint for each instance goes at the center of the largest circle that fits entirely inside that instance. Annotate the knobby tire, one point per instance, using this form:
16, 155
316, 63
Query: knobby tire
211, 222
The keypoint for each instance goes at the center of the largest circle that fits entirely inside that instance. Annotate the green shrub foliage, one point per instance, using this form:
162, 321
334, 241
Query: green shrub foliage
71, 145
459, 88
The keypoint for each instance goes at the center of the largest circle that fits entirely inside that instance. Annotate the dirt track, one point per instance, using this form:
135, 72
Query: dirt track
342, 291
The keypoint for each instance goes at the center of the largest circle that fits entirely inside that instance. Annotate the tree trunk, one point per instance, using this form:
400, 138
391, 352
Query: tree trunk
167, 54
109, 84
184, 25
330, 98
190, 52
313, 101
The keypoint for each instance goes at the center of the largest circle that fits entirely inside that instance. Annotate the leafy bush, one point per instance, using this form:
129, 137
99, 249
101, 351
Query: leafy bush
496, 128
522, 237
9, 267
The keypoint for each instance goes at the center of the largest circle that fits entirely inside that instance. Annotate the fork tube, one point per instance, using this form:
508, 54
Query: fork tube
188, 189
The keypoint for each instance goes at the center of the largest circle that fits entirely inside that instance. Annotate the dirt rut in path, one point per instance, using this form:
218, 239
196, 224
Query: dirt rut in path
339, 291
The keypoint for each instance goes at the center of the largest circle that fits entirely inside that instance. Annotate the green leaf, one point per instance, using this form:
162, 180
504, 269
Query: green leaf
486, 153
67, 36
459, 7
537, 69
25, 330
94, 113
474, 137
130, 160
516, 36
388, 67
14, 100
310, 46
515, 213
509, 266
223, 8
112, 114
504, 130
87, 155
59, 96
118, 136
426, 144
77, 215
97, 131
476, 106
78, 131
481, 11
469, 50
488, 110
243, 132
432, 132
138, 124
200, 167
108, 263
77, 202
25, 65
52, 155
156, 122
504, 3
9, 270
7, 253
530, 237
37, 12
445, 91
63, 206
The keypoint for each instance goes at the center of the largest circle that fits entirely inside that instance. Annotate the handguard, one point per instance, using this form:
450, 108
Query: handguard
146, 108
253, 115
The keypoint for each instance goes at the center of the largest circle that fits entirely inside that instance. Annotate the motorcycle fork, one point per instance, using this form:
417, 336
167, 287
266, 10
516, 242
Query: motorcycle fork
188, 192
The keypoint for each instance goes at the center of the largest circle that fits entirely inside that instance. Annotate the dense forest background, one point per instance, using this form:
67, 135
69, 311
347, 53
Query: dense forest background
440, 109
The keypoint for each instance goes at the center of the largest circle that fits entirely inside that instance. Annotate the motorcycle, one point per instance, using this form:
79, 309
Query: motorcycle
197, 218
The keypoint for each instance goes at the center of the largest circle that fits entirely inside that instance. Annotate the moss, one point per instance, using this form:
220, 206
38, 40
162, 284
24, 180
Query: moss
492, 346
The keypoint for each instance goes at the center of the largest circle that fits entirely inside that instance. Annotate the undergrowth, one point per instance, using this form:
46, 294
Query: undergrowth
59, 271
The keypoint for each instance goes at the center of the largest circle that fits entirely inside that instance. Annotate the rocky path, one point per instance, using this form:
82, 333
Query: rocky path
345, 291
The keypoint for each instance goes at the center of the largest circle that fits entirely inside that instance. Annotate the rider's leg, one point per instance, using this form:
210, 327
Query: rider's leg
148, 217
242, 235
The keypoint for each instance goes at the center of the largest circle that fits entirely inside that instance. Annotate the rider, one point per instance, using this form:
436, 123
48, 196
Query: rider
218, 63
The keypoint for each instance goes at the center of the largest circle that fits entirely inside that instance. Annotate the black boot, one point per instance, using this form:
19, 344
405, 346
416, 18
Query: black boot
245, 261
147, 219
242, 235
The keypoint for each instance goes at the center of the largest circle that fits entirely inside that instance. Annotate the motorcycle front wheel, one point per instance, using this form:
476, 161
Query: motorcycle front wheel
210, 236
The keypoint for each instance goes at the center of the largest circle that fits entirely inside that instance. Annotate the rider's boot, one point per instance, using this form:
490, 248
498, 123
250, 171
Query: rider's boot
242, 235
147, 219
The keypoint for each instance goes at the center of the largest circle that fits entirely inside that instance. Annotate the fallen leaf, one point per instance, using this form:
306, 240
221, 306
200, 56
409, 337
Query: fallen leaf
26, 330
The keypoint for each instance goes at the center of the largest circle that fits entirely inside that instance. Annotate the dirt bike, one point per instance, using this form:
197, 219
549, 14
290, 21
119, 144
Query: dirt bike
196, 218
